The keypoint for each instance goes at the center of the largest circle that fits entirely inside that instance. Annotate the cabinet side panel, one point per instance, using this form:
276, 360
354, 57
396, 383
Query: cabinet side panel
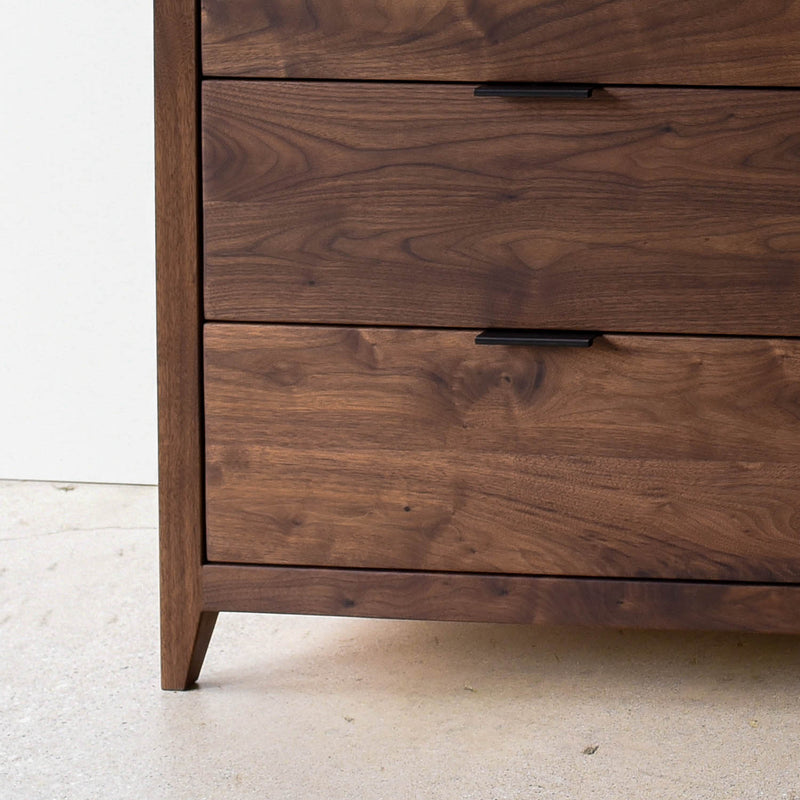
185, 629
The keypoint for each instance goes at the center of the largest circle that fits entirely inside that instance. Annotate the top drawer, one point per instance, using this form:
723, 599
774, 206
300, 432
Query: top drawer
706, 42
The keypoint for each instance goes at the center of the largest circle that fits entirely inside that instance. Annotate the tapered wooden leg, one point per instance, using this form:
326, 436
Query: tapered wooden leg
182, 652
185, 626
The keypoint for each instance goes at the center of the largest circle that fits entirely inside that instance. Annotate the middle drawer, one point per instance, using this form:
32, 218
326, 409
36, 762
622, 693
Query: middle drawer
671, 210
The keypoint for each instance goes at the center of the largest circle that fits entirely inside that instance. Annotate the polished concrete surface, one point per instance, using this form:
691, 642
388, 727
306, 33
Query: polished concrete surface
307, 707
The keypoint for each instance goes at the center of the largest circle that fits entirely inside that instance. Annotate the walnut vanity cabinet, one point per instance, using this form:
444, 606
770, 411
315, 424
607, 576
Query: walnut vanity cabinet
378, 226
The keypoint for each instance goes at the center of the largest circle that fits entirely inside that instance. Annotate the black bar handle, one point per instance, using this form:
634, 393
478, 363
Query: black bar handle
509, 336
563, 91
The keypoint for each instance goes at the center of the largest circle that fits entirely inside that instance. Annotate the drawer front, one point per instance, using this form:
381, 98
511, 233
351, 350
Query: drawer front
395, 204
698, 42
642, 456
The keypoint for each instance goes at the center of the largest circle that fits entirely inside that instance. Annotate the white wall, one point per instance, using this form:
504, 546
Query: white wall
77, 300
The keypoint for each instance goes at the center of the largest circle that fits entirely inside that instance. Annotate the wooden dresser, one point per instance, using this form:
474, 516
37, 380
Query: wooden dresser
478, 311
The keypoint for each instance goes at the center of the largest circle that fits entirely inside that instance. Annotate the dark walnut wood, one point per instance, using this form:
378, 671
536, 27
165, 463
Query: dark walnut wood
185, 626
666, 605
636, 210
641, 457
727, 42
650, 481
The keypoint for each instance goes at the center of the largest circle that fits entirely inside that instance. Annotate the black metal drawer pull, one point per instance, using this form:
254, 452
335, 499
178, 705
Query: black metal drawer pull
508, 336
563, 91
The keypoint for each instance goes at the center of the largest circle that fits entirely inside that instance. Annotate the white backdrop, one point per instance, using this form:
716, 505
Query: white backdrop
77, 303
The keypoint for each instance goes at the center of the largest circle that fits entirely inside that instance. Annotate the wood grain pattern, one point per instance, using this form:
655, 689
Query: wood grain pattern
669, 605
646, 457
637, 210
535, 472
616, 41
185, 626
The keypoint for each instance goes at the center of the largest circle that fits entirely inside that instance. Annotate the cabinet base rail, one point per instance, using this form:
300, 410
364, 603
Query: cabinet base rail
660, 605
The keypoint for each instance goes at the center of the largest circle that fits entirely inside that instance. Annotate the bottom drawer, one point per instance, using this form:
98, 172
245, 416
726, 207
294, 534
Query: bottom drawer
644, 456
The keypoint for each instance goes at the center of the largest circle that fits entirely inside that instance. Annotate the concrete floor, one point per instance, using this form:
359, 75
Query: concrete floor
294, 707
